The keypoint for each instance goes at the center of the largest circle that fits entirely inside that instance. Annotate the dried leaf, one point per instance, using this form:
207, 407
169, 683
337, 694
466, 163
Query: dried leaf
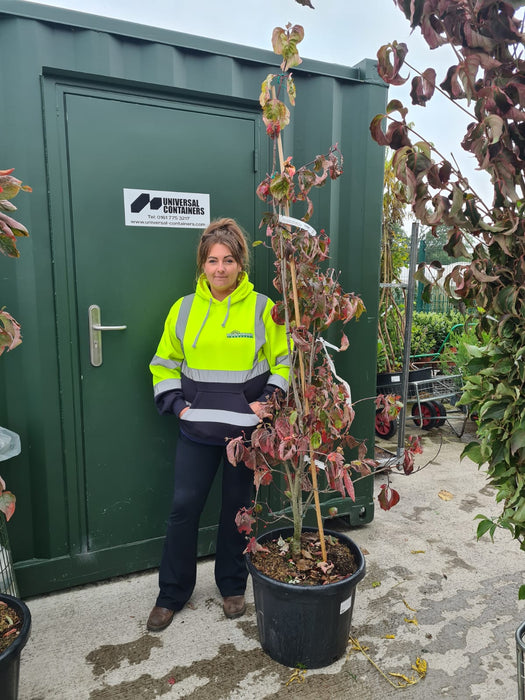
412, 621
445, 495
325, 566
304, 564
421, 667
401, 675
297, 676
283, 545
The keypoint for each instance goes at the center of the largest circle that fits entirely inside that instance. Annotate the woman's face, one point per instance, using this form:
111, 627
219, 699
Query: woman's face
221, 270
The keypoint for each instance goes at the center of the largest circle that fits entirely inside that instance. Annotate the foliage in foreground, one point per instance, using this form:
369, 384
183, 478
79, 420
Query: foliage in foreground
10, 229
10, 335
487, 81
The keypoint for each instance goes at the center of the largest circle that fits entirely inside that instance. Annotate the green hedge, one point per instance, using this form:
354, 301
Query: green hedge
430, 329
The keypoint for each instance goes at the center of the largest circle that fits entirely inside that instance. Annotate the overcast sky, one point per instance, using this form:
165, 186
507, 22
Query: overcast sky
337, 31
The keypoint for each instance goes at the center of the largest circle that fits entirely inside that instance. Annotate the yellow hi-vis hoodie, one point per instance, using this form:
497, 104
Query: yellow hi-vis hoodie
217, 357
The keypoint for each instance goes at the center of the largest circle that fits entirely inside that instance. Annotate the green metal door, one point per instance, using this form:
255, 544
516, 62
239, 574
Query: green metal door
119, 466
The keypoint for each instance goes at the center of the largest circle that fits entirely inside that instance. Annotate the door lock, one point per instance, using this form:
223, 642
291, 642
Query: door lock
95, 334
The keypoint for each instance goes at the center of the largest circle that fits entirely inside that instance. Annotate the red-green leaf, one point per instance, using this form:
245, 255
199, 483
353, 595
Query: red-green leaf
390, 61
7, 504
254, 546
387, 497
244, 520
349, 485
423, 87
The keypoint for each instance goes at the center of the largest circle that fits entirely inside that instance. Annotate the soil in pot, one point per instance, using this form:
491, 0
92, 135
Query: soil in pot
307, 569
10, 625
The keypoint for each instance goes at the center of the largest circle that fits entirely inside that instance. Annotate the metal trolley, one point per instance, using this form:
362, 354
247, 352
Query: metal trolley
431, 398
435, 402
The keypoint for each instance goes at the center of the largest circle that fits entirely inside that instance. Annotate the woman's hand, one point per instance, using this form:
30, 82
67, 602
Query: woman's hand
262, 410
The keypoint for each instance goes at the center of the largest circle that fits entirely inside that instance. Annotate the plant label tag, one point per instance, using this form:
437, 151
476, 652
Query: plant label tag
397, 378
345, 605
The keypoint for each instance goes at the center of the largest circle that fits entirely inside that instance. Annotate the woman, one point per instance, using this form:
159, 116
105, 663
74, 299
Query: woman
219, 359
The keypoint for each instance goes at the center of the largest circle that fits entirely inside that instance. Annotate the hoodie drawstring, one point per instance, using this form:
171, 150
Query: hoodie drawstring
227, 312
194, 344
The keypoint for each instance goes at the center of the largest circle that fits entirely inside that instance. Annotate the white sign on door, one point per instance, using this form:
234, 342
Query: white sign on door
170, 209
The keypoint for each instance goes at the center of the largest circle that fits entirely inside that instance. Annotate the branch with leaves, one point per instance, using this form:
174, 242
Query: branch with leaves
487, 80
10, 335
10, 230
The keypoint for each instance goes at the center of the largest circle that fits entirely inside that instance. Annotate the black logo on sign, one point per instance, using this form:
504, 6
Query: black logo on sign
143, 200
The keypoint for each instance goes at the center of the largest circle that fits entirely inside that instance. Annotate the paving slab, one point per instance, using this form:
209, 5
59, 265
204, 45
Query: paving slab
431, 592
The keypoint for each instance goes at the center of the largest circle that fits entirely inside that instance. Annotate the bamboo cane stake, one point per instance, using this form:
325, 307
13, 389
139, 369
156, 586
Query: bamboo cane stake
313, 471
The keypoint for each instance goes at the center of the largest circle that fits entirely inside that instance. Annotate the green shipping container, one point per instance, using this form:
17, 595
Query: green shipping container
105, 120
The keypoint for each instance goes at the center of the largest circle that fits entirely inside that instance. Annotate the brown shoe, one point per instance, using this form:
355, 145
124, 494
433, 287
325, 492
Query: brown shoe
159, 619
234, 606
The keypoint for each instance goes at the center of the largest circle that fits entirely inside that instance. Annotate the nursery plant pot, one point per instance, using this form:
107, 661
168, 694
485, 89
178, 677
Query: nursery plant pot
386, 381
10, 657
306, 625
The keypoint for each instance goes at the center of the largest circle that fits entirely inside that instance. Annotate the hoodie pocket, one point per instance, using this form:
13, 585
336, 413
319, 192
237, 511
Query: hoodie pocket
226, 407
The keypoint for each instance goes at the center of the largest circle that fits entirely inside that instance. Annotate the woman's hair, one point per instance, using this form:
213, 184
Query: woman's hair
229, 233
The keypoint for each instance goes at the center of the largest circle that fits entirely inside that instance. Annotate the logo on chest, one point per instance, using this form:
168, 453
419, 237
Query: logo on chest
238, 334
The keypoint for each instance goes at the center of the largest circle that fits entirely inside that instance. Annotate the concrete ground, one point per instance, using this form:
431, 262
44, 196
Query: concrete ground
431, 592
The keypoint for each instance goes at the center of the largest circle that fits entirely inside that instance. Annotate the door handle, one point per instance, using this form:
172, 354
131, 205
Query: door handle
95, 334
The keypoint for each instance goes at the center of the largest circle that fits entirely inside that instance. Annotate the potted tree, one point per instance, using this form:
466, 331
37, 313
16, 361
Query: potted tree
15, 617
303, 614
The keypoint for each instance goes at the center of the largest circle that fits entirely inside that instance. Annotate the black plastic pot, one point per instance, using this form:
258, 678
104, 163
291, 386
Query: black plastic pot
10, 658
305, 625
386, 381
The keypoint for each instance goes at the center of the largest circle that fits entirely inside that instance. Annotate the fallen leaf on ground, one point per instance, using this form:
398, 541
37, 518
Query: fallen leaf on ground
417, 551
297, 676
421, 667
445, 495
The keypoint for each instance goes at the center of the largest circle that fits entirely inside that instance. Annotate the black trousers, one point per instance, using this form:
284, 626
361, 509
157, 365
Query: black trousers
195, 467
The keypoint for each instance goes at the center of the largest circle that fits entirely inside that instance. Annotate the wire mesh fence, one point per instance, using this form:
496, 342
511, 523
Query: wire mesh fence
7, 573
